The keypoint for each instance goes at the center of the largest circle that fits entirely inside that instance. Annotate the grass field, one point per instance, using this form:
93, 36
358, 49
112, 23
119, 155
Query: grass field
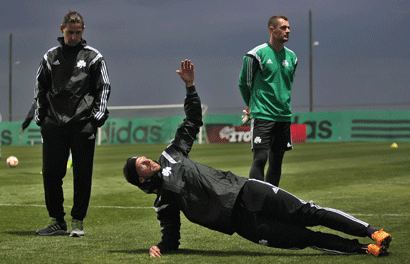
368, 180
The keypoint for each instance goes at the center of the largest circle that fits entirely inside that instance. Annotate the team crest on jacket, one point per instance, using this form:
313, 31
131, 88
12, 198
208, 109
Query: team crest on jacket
264, 242
81, 64
166, 171
285, 63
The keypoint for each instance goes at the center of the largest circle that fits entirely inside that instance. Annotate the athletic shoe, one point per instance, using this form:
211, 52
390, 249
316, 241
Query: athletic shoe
53, 229
382, 238
376, 250
69, 164
77, 228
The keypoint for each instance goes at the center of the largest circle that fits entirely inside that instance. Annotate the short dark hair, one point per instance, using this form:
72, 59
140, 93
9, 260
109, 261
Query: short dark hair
130, 171
72, 17
273, 21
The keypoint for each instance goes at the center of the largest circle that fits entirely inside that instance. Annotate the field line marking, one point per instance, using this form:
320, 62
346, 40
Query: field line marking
150, 207
109, 207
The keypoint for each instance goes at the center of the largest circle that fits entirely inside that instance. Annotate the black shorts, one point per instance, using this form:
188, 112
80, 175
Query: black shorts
273, 135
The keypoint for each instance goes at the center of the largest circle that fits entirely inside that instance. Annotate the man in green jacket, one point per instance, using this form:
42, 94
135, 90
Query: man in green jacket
265, 83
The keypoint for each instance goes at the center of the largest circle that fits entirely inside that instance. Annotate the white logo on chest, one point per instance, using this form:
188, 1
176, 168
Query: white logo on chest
166, 171
264, 242
81, 64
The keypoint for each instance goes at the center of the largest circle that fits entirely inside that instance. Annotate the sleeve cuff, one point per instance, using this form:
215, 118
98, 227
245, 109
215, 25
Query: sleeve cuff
162, 249
190, 89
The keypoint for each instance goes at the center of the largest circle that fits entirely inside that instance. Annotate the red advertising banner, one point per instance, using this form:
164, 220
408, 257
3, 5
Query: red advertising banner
226, 133
298, 132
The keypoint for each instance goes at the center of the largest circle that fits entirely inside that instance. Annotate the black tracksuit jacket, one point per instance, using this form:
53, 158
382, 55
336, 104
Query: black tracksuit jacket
205, 195
72, 86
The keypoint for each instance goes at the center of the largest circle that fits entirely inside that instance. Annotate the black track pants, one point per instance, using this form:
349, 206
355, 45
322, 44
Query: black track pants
57, 143
270, 216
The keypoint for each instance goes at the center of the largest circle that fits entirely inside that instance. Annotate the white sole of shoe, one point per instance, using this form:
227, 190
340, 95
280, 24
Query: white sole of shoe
77, 233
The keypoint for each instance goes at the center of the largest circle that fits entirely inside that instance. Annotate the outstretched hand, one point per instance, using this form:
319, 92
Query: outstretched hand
187, 72
154, 252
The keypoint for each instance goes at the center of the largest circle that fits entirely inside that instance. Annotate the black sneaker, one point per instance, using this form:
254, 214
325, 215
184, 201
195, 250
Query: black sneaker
77, 228
53, 229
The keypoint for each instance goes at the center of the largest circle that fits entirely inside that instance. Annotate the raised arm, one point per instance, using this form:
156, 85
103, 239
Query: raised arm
187, 131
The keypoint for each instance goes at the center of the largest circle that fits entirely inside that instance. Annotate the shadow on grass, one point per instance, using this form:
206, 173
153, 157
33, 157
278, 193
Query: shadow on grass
185, 251
27, 233
21, 233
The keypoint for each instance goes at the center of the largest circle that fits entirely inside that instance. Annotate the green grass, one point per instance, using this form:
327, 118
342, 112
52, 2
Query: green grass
369, 180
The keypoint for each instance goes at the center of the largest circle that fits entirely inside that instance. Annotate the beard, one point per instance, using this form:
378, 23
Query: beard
152, 185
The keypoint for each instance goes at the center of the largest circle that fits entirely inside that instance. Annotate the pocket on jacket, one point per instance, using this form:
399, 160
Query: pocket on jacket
89, 129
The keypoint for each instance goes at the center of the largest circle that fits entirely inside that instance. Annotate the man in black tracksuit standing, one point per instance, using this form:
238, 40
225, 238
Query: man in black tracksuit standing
222, 201
72, 90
